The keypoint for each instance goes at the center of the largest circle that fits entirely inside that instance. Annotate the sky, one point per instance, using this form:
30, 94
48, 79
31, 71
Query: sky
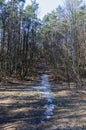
46, 6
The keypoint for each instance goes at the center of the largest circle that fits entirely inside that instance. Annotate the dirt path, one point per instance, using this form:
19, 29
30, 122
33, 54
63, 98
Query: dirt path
22, 110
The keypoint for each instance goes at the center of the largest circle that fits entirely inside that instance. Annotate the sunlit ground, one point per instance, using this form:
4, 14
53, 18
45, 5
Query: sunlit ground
24, 110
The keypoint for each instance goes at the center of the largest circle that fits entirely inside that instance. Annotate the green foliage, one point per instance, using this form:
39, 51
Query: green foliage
59, 38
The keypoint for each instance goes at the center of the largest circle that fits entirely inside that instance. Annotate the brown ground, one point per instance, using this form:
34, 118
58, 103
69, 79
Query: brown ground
21, 110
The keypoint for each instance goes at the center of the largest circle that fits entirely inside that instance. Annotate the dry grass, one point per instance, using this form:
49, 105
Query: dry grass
21, 110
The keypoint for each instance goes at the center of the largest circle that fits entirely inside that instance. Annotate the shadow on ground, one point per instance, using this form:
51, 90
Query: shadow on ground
21, 110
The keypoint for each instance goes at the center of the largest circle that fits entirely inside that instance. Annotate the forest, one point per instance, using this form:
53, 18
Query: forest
59, 38
48, 52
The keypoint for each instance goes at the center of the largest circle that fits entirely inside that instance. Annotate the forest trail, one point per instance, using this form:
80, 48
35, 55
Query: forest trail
38, 58
42, 105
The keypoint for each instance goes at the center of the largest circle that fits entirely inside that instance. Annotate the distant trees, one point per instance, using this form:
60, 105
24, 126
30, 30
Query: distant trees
65, 31
60, 37
18, 27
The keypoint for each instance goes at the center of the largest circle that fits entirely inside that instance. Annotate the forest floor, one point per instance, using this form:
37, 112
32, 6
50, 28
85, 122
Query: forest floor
21, 108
